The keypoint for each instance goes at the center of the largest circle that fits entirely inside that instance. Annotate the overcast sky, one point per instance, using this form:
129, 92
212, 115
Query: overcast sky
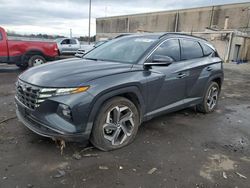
58, 16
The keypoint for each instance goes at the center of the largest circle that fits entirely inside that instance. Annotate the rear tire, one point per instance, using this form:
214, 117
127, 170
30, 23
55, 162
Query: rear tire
210, 100
31, 61
36, 60
116, 124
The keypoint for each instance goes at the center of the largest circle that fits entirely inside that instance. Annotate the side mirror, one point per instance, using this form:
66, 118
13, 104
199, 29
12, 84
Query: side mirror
159, 60
80, 53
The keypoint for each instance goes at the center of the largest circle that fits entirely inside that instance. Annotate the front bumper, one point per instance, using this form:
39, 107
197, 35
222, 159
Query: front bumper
43, 130
46, 122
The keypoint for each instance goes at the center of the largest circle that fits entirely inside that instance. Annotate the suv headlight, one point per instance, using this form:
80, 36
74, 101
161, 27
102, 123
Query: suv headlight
49, 92
66, 91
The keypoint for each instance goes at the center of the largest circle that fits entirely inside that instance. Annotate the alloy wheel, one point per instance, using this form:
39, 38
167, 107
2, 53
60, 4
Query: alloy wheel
212, 97
119, 125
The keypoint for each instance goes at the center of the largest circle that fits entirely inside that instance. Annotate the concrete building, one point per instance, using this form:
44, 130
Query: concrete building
226, 26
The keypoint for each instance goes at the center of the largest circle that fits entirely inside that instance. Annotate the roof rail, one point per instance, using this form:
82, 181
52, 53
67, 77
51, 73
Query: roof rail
183, 34
122, 35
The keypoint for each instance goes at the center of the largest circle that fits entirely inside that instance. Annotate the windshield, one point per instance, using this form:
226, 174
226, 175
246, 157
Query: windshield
124, 50
99, 43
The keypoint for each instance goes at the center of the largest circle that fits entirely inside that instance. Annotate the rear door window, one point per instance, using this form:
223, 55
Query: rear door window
73, 41
190, 49
65, 41
170, 48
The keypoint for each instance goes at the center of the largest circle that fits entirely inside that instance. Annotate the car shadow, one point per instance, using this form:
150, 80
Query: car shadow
9, 69
72, 147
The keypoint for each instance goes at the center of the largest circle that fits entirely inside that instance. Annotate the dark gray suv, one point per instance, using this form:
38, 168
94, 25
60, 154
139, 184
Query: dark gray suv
105, 96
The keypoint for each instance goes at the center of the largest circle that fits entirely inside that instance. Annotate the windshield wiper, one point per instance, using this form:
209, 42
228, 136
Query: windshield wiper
94, 59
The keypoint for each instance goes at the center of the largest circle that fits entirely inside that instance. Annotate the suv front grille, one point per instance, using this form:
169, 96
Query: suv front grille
32, 96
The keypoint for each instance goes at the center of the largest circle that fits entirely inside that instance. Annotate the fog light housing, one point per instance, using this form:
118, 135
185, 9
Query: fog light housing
64, 111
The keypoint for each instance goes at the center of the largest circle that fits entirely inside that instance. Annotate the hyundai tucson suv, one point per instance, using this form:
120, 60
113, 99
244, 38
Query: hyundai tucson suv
105, 96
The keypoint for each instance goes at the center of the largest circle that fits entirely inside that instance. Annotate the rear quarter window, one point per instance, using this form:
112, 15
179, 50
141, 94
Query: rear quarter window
190, 49
207, 50
1, 36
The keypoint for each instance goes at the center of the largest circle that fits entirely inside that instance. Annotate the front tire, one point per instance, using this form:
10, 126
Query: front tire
116, 124
210, 100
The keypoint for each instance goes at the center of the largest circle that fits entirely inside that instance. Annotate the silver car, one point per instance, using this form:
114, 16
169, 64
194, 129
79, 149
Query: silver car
68, 45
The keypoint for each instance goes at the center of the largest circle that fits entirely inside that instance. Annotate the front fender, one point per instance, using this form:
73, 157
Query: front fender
110, 93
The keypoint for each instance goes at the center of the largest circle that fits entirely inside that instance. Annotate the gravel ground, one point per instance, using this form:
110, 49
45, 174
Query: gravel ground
181, 149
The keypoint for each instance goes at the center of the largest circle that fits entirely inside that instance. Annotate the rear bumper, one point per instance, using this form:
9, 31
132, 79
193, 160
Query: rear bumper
52, 58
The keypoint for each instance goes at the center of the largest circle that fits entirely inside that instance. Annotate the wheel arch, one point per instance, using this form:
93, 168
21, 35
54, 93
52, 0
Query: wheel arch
132, 93
218, 78
32, 52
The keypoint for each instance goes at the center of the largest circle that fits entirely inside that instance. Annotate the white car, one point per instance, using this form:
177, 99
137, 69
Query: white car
85, 48
68, 45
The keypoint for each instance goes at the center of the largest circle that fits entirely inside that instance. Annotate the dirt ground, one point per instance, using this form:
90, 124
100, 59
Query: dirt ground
182, 149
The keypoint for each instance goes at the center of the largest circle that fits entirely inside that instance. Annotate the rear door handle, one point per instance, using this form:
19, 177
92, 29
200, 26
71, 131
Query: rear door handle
181, 75
209, 68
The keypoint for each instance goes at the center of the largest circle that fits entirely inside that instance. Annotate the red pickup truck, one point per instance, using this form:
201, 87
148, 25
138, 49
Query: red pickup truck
26, 53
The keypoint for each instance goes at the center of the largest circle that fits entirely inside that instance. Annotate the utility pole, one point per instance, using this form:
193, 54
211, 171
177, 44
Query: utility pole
70, 33
248, 15
176, 21
89, 18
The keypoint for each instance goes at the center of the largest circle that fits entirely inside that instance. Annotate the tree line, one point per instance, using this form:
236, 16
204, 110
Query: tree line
46, 36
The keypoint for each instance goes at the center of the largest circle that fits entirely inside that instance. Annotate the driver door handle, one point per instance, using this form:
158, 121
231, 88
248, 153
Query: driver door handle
209, 68
181, 75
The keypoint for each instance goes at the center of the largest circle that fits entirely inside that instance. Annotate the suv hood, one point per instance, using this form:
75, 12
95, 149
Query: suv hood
71, 72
